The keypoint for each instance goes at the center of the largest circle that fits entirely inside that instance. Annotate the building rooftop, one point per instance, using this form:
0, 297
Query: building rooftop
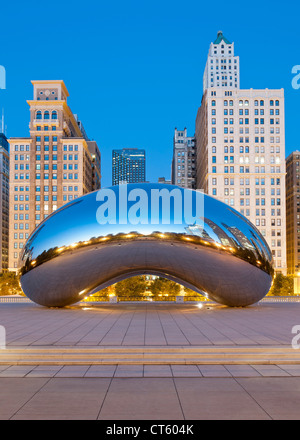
220, 37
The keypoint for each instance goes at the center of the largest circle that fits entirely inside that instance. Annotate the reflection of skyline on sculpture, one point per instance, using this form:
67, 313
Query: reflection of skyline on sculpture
219, 230
83, 231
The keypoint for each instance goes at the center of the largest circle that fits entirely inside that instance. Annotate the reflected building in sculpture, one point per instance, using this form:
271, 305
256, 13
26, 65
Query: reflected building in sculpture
57, 163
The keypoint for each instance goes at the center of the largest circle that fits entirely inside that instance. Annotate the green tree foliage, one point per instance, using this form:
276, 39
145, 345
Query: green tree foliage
282, 286
134, 286
110, 290
190, 292
9, 284
164, 286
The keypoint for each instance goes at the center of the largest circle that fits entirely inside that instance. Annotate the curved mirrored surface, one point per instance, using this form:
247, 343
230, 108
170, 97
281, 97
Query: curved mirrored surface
118, 232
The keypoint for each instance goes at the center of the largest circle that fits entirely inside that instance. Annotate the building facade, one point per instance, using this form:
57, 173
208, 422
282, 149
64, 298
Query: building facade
128, 166
240, 139
293, 214
240, 136
4, 191
222, 67
184, 160
51, 167
164, 181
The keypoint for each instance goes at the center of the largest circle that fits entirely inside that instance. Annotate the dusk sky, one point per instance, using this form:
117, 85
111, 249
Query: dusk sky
134, 69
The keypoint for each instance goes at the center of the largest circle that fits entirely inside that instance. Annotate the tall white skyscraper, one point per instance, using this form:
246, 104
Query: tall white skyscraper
222, 67
240, 142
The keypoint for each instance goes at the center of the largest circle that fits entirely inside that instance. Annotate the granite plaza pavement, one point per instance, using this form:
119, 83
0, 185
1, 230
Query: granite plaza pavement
149, 361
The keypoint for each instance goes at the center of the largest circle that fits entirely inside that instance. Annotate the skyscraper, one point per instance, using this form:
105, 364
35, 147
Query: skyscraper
51, 167
293, 213
222, 67
240, 139
128, 166
184, 160
4, 206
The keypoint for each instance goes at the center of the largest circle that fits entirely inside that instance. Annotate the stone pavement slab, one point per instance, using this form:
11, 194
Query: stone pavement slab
155, 398
216, 399
279, 396
141, 399
28, 324
66, 399
270, 370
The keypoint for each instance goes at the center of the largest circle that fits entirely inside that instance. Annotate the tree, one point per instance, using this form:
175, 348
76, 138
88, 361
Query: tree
107, 291
162, 286
134, 286
282, 286
190, 292
10, 284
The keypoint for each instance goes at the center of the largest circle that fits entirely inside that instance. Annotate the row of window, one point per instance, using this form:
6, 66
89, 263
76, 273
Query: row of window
46, 138
246, 102
246, 112
245, 121
246, 181
46, 189
46, 115
258, 212
21, 148
246, 159
54, 166
245, 140
246, 150
46, 176
45, 128
246, 191
242, 169
21, 235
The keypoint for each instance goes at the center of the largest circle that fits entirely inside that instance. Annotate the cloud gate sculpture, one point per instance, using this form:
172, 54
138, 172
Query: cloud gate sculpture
127, 230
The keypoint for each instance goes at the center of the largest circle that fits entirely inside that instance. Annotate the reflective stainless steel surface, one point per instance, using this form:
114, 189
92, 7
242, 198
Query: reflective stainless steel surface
70, 255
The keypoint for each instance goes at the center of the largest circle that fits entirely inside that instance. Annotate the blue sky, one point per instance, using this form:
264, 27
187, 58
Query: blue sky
134, 68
